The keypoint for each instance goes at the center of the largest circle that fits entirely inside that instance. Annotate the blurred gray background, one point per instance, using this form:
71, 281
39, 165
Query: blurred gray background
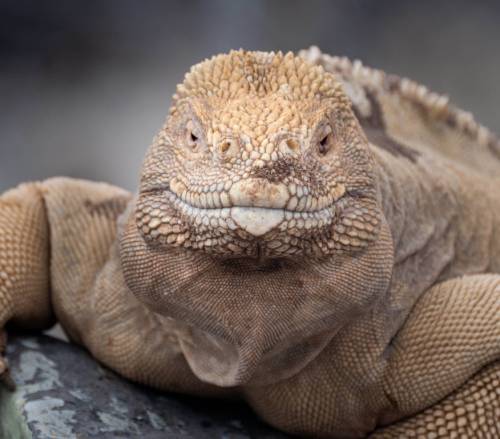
85, 85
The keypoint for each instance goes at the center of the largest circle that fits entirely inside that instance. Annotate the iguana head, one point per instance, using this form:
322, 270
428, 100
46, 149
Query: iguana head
260, 157
257, 202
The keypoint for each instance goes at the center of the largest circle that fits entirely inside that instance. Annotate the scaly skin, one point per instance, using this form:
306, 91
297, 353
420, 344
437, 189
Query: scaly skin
325, 247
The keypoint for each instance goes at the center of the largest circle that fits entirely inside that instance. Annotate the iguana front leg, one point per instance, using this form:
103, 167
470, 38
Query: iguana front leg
24, 261
58, 258
471, 411
54, 238
452, 333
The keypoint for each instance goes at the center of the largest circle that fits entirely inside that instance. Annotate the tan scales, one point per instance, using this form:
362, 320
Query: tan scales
314, 236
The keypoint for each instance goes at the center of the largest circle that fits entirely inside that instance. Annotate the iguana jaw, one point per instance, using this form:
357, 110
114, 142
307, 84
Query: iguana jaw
164, 219
257, 205
257, 192
255, 217
234, 231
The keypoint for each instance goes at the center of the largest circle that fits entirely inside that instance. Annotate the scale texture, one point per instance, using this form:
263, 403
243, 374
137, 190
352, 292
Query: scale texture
315, 237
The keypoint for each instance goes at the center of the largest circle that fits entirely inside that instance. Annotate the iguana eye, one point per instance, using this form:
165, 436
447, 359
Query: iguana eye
325, 142
192, 137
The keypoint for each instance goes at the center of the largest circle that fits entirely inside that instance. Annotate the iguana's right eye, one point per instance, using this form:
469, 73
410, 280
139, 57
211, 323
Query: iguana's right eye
325, 142
192, 137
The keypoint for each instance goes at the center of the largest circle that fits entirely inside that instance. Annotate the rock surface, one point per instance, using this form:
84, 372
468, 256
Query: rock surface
63, 393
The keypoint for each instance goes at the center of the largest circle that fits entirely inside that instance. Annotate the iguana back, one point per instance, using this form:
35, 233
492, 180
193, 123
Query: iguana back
407, 118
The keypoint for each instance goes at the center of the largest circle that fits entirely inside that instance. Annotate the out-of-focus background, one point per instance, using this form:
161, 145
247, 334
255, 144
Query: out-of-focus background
84, 85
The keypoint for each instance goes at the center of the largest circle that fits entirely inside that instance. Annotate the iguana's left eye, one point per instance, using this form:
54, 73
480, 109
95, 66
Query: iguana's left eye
326, 140
192, 137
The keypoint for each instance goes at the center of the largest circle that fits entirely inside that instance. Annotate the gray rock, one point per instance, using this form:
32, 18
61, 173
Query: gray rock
62, 393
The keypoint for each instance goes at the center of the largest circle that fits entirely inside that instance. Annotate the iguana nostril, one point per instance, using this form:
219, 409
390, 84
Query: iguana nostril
289, 146
224, 146
292, 144
228, 147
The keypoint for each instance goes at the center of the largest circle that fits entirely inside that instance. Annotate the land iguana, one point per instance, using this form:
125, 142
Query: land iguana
318, 238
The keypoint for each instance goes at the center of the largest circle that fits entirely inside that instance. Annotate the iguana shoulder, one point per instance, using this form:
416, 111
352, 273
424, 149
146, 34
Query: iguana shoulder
407, 118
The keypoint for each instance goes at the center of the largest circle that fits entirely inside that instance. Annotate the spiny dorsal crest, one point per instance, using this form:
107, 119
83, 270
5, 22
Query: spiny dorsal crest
244, 74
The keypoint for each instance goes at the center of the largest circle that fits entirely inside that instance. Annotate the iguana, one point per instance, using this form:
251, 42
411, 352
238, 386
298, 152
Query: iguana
318, 238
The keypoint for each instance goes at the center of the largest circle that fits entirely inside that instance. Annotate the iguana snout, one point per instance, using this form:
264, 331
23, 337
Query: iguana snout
259, 192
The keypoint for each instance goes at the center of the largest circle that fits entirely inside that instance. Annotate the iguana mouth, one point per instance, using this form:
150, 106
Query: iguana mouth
257, 205
257, 192
253, 219
254, 205
244, 230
